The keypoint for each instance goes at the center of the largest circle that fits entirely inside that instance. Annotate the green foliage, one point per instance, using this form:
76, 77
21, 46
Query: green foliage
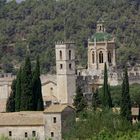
27, 97
106, 97
116, 94
26, 92
10, 106
79, 100
41, 23
100, 125
18, 91
3, 138
38, 100
125, 98
95, 100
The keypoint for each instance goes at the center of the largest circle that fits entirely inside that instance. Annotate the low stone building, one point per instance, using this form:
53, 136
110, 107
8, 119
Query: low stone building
52, 123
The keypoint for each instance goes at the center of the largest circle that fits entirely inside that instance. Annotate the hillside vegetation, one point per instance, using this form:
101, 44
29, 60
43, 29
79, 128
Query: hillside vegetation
40, 23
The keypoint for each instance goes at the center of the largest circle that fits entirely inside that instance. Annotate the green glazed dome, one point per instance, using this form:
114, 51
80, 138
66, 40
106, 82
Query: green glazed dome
101, 36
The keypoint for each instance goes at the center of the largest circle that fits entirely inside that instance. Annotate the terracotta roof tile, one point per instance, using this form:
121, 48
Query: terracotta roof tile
22, 119
58, 108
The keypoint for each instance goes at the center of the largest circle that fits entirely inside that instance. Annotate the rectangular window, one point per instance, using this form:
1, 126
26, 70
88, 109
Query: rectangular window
52, 134
33, 133
26, 134
10, 133
61, 66
69, 54
54, 119
70, 66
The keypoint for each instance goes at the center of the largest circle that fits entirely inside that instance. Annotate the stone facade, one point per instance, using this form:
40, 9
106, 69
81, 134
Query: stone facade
65, 71
50, 124
101, 49
22, 132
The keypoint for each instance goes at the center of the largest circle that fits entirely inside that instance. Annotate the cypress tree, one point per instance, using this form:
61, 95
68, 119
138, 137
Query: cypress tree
38, 100
27, 97
18, 92
106, 99
10, 105
125, 98
79, 100
95, 100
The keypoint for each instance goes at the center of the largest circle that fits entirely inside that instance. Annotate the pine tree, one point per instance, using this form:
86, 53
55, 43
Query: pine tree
18, 92
38, 100
27, 97
106, 99
79, 100
95, 100
125, 99
10, 105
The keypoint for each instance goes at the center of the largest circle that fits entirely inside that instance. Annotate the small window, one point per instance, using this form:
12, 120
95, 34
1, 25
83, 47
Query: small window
33, 133
51, 89
52, 134
70, 66
109, 57
69, 54
61, 66
100, 28
93, 57
54, 119
60, 55
26, 134
10, 133
101, 59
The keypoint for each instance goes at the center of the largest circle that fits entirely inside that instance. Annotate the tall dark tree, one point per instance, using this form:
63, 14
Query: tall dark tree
95, 100
2, 3
106, 99
10, 105
27, 97
37, 92
79, 100
18, 91
125, 98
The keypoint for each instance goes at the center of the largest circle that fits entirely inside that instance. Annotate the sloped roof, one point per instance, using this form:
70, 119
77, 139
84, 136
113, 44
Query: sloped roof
47, 79
50, 98
57, 108
27, 118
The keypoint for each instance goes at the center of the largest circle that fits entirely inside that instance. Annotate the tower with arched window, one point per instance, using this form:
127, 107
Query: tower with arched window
65, 71
101, 49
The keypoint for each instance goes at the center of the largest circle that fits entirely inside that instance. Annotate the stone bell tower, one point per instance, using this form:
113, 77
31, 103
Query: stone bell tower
65, 69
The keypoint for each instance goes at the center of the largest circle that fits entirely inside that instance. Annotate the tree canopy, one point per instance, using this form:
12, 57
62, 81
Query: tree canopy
40, 23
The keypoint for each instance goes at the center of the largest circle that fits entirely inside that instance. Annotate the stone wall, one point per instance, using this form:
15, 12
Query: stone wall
53, 126
18, 132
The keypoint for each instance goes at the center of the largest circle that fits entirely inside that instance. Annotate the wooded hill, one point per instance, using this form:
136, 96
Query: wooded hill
40, 23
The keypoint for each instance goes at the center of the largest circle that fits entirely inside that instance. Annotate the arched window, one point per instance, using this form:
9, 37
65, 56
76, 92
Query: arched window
100, 28
101, 59
60, 53
70, 67
69, 54
103, 28
109, 57
61, 66
93, 58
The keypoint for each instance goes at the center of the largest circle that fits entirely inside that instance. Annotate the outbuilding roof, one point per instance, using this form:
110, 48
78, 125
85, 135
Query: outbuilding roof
57, 108
27, 118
